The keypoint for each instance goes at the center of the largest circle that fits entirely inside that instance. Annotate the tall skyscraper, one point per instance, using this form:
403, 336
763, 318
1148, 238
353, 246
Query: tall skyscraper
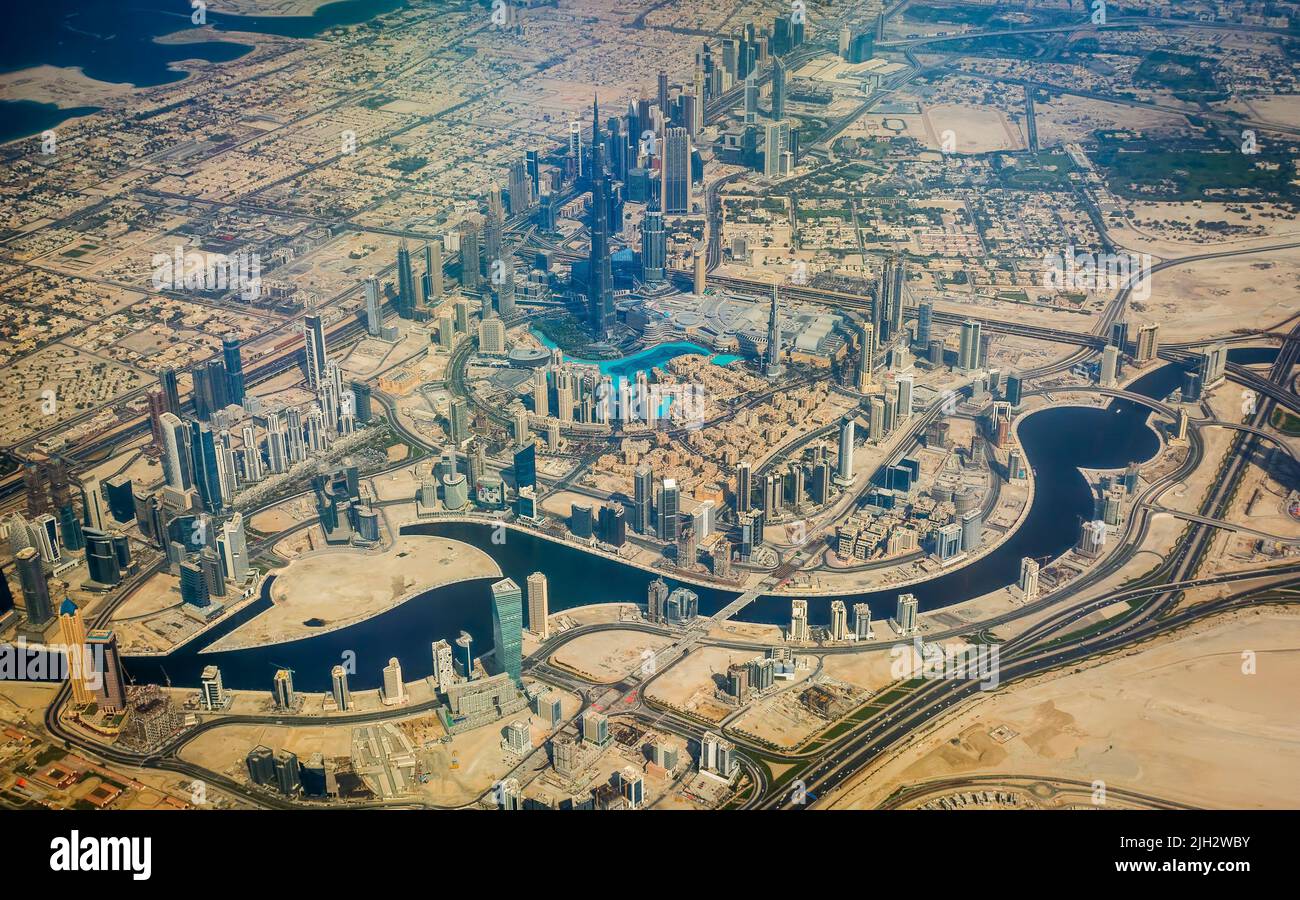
772, 367
968, 354
35, 587
101, 560
653, 247
444, 667
839, 630
541, 393
1148, 343
526, 466
888, 310
778, 89
339, 687
905, 384
111, 693
600, 278
394, 687
924, 320
538, 605
532, 164
470, 267
867, 339
669, 509
905, 614
282, 689
799, 630
676, 190
772, 148
1109, 365
314, 338
206, 467
520, 187
744, 486
212, 693
492, 336
93, 513
374, 307
230, 351
643, 499
233, 544
751, 98
503, 280
575, 147
1210, 364
861, 621
72, 635
1028, 582
432, 280
844, 469
405, 282
507, 627
171, 394
175, 468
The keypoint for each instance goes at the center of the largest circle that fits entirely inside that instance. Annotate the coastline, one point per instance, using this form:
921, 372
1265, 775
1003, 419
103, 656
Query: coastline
269, 8
48, 96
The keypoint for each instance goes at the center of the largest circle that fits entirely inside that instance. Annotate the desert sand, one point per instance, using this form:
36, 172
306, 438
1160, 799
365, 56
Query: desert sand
1176, 720
335, 588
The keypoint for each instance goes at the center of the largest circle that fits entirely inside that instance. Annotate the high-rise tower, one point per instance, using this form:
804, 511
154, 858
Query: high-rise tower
508, 626
778, 90
538, 605
600, 278
676, 190
772, 367
653, 247
405, 282
234, 370
314, 338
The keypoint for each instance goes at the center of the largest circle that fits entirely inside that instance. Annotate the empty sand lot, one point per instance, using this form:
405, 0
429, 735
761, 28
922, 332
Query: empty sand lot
1215, 296
608, 656
1178, 720
334, 588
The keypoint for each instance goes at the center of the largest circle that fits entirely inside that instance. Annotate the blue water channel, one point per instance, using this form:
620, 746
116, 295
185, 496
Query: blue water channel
1057, 442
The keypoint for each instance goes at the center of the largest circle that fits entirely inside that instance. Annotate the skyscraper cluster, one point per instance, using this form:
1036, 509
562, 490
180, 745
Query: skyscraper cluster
204, 465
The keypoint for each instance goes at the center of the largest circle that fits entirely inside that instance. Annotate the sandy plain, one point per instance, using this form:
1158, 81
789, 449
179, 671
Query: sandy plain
607, 656
1175, 719
335, 588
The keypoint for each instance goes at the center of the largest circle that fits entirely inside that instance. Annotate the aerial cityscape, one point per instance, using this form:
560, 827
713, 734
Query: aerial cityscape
669, 404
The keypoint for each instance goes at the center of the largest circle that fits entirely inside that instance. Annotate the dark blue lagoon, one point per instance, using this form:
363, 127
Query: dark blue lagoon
116, 43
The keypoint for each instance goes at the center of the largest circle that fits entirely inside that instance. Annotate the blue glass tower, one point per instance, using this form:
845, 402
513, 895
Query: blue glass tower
203, 446
508, 627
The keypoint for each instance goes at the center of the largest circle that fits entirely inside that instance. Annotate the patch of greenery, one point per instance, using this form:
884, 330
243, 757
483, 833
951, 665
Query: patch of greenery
1150, 172
409, 164
1286, 422
983, 17
570, 335
1014, 46
1178, 72
49, 755
1043, 171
